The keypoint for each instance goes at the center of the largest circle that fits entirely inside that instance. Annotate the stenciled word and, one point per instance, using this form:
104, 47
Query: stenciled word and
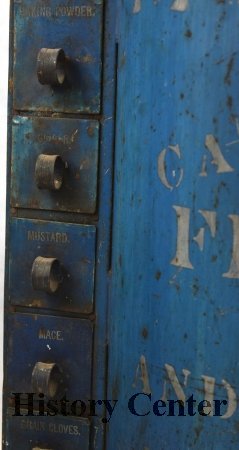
210, 387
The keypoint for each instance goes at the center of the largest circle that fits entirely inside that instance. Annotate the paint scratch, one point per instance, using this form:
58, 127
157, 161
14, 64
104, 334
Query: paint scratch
180, 5
137, 6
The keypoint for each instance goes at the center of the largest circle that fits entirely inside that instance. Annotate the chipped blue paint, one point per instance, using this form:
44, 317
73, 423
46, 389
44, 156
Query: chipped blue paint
174, 300
165, 300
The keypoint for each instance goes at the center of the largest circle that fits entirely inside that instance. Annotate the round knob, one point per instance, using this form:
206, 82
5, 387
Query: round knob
51, 66
46, 379
46, 274
49, 172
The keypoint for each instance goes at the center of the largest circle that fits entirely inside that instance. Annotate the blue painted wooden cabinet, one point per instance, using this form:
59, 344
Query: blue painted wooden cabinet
122, 261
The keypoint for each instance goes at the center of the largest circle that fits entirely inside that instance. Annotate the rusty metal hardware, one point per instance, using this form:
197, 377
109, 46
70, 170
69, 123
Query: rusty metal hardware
49, 172
46, 379
51, 66
46, 274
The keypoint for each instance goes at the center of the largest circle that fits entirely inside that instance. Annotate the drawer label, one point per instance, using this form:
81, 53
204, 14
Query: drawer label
60, 428
53, 335
58, 11
47, 236
54, 139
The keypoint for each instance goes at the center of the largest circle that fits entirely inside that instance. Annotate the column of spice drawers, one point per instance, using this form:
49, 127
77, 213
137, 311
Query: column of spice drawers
55, 111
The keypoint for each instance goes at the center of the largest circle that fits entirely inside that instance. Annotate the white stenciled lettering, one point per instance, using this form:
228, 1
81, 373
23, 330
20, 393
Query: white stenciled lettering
59, 11
61, 428
182, 257
162, 167
172, 376
54, 139
47, 236
52, 335
218, 158
142, 375
207, 405
213, 406
180, 5
35, 11
75, 11
232, 400
233, 271
210, 218
137, 6
32, 425
209, 389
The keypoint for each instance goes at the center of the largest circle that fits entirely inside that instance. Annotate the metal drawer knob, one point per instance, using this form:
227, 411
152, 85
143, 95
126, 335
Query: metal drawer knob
51, 66
49, 172
47, 379
46, 274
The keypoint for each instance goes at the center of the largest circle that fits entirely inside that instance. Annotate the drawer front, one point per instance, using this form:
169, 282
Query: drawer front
63, 279
65, 343
28, 433
75, 144
74, 26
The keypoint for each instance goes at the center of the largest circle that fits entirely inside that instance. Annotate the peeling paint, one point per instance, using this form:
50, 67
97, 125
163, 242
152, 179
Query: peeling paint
137, 6
180, 5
